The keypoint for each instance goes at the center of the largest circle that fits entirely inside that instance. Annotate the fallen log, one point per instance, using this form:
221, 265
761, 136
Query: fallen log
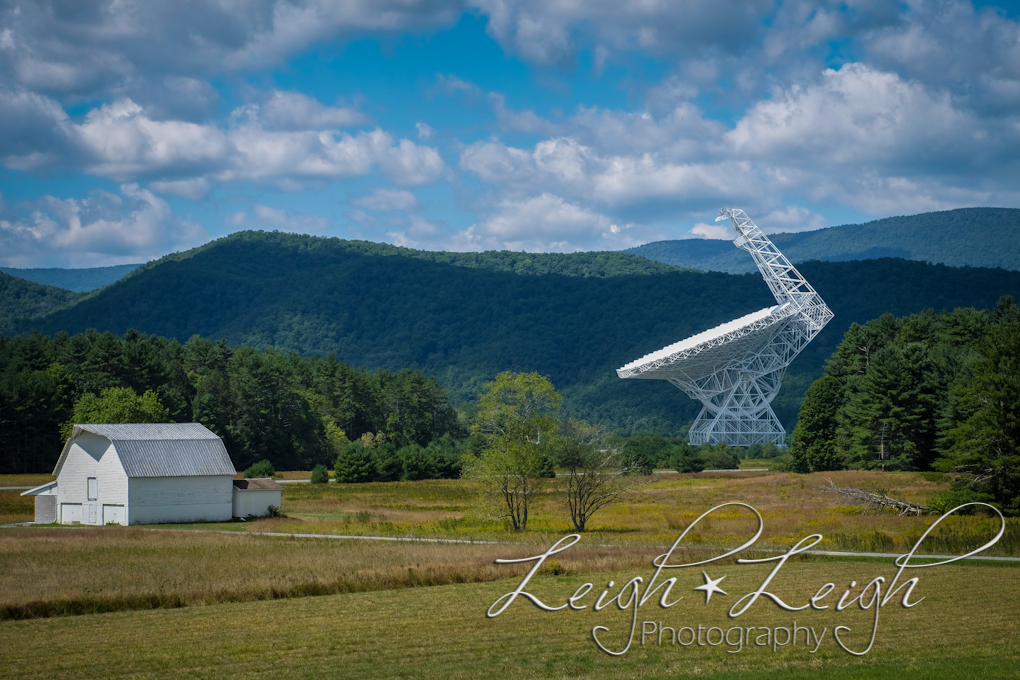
874, 501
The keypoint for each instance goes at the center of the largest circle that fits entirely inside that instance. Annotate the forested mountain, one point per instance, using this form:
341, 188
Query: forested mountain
976, 237
464, 325
21, 300
78, 280
586, 264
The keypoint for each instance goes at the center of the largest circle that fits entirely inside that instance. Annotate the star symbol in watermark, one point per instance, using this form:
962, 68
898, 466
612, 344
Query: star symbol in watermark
711, 587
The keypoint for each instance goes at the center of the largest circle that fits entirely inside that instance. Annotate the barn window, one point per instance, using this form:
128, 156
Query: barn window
93, 488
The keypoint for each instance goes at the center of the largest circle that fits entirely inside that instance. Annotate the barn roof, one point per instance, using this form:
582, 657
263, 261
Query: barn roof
161, 449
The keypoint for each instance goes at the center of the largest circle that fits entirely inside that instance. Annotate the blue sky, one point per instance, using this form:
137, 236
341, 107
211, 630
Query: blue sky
133, 129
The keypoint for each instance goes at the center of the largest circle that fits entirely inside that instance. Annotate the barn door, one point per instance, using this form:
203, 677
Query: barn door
113, 514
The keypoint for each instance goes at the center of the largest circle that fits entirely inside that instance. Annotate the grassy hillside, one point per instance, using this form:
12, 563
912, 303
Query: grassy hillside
78, 280
976, 237
464, 325
21, 300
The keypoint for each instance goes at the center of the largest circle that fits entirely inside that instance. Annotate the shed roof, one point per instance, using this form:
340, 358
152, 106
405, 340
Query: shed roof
257, 484
39, 489
161, 449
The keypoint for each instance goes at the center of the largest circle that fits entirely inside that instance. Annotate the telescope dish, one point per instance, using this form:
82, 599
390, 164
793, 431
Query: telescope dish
736, 368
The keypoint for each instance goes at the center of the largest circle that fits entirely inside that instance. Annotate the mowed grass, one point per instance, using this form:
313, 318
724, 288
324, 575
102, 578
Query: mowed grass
964, 628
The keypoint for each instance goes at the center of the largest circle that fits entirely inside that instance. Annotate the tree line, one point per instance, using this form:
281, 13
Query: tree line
930, 391
294, 411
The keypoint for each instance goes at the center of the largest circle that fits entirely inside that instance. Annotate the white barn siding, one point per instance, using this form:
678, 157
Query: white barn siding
179, 499
90, 455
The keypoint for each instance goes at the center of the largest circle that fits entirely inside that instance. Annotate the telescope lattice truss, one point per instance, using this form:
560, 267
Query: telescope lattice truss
735, 369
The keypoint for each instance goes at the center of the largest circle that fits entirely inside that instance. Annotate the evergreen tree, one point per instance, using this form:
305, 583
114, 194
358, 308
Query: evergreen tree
354, 465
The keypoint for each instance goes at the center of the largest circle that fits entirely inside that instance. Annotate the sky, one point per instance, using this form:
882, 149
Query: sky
130, 129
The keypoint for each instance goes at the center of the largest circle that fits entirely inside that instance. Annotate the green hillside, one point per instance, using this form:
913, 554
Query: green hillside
78, 280
21, 300
464, 325
975, 237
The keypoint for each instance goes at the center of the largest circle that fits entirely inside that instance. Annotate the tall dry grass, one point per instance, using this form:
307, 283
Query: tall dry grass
58, 572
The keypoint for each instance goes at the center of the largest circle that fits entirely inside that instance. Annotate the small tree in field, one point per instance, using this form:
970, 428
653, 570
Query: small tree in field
515, 417
596, 473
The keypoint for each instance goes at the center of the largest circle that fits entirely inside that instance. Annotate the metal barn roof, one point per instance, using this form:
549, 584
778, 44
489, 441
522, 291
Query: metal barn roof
161, 449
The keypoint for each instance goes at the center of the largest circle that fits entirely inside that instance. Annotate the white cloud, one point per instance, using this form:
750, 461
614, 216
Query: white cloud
292, 111
103, 44
387, 199
713, 231
119, 141
286, 220
424, 131
791, 218
103, 229
549, 32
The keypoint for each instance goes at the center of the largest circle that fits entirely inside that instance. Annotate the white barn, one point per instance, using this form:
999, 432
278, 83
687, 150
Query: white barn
141, 474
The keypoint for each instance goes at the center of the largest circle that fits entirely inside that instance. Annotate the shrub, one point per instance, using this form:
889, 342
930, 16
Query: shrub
263, 468
320, 474
720, 457
948, 499
686, 459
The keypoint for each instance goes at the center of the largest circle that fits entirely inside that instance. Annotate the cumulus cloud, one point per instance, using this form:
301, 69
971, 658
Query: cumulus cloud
119, 141
713, 231
549, 32
94, 46
387, 199
105, 228
546, 223
293, 111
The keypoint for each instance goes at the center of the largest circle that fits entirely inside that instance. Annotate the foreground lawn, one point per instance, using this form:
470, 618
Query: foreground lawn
964, 628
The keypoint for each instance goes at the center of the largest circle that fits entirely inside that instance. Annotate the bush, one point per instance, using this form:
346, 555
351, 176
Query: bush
948, 499
686, 459
720, 457
263, 468
320, 474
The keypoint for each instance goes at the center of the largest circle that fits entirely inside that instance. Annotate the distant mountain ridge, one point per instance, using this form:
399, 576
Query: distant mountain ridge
973, 237
79, 280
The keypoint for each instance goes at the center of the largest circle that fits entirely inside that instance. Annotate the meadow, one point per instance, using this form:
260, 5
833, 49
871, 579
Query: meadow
226, 600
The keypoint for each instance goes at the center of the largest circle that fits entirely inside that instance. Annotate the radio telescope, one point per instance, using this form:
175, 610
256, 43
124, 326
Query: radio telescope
735, 369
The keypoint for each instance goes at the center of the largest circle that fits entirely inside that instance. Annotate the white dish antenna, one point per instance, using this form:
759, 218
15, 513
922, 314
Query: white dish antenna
736, 369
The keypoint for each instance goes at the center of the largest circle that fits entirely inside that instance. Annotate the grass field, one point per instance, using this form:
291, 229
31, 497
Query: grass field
964, 628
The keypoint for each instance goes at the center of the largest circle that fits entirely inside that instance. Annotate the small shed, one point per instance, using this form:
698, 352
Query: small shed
45, 502
254, 496
143, 473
